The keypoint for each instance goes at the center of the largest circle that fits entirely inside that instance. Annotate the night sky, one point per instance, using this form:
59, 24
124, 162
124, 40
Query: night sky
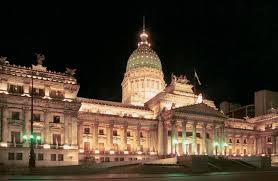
233, 46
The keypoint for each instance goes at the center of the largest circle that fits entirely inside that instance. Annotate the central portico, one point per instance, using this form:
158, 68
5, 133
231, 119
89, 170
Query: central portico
191, 130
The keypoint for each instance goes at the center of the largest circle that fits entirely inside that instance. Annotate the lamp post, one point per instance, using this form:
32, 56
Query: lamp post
32, 162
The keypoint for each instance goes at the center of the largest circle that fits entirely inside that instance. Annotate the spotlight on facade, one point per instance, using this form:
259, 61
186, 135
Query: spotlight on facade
234, 154
66, 147
263, 154
152, 153
81, 151
139, 152
112, 152
3, 144
24, 137
241, 154
249, 154
46, 146
126, 152
96, 151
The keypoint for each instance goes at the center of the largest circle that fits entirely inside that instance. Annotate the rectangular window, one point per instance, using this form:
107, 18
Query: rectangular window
56, 119
101, 132
19, 156
40, 156
188, 133
15, 115
122, 159
141, 135
56, 139
86, 130
60, 157
115, 133
128, 133
169, 133
15, 137
36, 117
37, 92
18, 89
237, 141
198, 135
10, 156
56, 94
53, 157
180, 134
207, 135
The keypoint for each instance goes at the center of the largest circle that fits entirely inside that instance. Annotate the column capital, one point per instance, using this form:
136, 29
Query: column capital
205, 124
184, 123
194, 123
173, 122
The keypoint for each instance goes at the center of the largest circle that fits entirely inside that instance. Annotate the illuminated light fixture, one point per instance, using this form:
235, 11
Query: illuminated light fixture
249, 154
175, 141
96, 151
112, 152
66, 147
81, 151
97, 157
225, 144
3, 144
152, 153
263, 154
215, 144
139, 152
46, 146
234, 154
227, 154
38, 138
24, 137
241, 154
126, 152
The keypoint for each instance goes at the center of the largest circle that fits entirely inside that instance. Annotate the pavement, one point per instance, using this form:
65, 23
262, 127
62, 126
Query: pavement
216, 176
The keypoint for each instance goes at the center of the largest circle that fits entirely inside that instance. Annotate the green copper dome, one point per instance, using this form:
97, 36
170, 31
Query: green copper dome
143, 56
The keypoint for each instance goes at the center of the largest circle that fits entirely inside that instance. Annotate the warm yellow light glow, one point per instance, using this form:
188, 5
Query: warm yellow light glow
199, 99
96, 151
3, 144
81, 151
46, 146
126, 152
112, 152
66, 147
139, 152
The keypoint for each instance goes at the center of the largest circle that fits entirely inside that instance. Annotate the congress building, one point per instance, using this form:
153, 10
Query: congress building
154, 119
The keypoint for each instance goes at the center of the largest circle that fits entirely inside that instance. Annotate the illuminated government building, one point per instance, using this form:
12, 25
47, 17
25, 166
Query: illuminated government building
154, 119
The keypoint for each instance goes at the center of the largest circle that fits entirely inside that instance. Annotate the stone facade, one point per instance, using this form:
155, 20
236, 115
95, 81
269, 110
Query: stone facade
151, 121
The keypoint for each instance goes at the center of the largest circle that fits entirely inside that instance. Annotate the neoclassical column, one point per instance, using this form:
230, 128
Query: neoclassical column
205, 149
194, 143
95, 135
46, 127
222, 140
273, 140
5, 135
125, 135
66, 129
160, 141
80, 135
138, 146
27, 123
109, 139
173, 137
74, 129
214, 139
184, 142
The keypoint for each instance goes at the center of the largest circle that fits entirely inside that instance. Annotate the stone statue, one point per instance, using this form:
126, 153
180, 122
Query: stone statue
71, 72
40, 58
3, 60
182, 79
174, 78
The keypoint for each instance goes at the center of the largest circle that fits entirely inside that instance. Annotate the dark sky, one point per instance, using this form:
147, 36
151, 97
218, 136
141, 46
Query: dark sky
232, 45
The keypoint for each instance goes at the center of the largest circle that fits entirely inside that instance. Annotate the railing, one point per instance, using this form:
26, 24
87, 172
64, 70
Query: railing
56, 125
16, 122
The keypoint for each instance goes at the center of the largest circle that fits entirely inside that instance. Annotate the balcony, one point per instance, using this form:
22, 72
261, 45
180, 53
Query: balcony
87, 135
53, 125
16, 122
38, 123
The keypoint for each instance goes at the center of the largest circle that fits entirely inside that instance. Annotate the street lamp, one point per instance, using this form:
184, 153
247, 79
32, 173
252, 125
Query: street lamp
32, 162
